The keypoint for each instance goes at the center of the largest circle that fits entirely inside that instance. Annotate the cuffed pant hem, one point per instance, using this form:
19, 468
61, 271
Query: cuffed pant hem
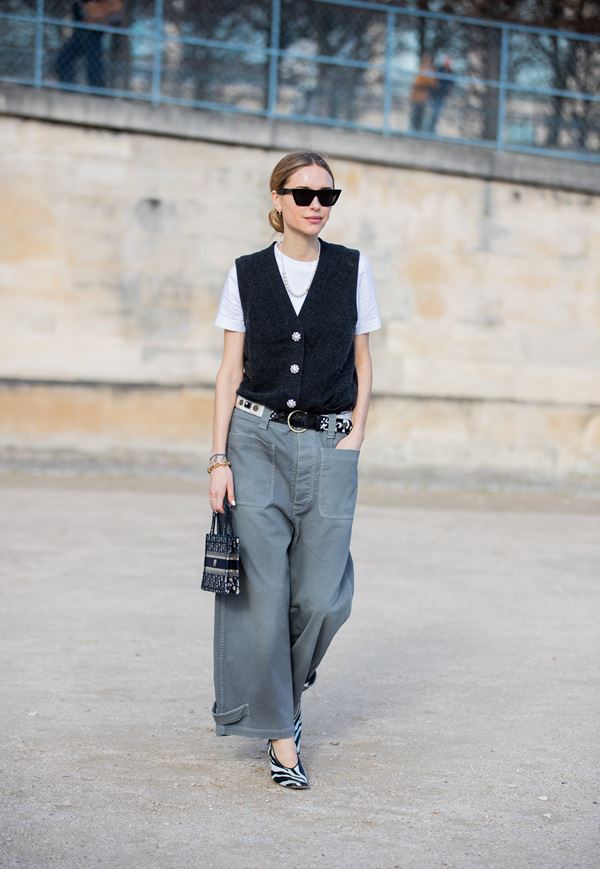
257, 732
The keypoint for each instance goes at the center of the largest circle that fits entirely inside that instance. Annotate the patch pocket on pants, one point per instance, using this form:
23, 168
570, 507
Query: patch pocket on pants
253, 469
338, 483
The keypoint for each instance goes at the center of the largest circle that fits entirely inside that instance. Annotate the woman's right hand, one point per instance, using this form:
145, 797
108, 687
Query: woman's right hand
221, 484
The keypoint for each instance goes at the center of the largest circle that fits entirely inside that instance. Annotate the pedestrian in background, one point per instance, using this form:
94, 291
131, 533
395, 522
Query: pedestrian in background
420, 92
439, 94
291, 401
87, 43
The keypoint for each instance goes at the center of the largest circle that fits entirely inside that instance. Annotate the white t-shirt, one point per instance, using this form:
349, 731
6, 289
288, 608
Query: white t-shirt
230, 314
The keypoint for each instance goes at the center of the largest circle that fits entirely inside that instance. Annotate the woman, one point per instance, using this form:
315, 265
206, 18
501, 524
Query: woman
291, 400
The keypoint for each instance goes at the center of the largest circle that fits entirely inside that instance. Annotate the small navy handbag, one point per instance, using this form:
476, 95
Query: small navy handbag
222, 555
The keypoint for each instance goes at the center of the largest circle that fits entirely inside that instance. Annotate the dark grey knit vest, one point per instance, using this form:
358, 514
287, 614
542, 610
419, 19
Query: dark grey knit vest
300, 361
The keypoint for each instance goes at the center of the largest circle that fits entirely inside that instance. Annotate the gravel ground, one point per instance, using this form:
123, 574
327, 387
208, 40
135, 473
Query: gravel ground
454, 721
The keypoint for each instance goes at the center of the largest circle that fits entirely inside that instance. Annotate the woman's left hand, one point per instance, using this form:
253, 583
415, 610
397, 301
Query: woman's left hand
352, 441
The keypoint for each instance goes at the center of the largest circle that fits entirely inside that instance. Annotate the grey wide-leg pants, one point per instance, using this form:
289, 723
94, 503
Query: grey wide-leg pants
295, 499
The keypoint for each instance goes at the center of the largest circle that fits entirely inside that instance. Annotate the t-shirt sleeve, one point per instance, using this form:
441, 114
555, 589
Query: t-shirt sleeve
366, 299
229, 313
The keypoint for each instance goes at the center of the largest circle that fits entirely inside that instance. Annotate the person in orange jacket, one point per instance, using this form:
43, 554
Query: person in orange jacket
420, 92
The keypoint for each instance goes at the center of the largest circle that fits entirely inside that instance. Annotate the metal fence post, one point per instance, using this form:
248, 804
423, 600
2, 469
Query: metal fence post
503, 78
157, 50
275, 43
38, 68
388, 72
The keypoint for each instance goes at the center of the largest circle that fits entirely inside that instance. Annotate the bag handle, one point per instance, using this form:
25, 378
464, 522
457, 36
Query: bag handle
223, 520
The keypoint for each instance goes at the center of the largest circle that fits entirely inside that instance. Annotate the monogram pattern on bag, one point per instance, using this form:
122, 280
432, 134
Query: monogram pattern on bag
221, 564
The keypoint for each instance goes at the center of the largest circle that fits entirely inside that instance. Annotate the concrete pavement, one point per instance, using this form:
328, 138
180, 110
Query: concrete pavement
453, 724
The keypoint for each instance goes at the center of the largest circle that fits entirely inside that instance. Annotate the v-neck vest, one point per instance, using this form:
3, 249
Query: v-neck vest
300, 361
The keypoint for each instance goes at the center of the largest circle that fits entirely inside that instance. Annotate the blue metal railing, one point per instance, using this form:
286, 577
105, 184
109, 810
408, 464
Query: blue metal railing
343, 63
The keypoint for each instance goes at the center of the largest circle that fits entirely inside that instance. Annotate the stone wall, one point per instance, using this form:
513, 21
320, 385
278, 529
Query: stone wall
114, 246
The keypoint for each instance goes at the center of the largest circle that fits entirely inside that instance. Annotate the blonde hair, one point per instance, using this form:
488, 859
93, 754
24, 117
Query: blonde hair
286, 167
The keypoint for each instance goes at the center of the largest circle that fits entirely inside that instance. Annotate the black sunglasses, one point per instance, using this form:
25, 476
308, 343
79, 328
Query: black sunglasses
304, 196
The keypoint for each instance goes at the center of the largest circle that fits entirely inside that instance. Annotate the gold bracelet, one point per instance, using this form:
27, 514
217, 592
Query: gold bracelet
223, 464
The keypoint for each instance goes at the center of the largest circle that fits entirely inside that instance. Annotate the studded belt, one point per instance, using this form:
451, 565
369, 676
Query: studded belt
297, 420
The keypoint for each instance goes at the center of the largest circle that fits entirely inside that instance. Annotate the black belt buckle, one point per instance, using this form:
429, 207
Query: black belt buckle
290, 426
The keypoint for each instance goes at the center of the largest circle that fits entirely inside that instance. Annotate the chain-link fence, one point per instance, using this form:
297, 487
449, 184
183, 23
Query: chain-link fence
361, 65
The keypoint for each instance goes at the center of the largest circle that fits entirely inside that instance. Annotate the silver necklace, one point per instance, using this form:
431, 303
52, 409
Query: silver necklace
285, 277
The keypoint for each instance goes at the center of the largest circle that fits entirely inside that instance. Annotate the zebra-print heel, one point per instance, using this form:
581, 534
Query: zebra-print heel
310, 681
298, 728
287, 776
298, 716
